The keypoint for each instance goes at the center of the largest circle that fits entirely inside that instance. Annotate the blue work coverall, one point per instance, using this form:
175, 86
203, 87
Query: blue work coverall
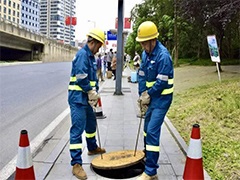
156, 76
83, 78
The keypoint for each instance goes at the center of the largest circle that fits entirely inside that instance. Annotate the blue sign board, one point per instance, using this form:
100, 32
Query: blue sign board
111, 36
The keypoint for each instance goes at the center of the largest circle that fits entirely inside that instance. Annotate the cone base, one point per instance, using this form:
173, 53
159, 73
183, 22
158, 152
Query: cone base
193, 169
25, 174
101, 117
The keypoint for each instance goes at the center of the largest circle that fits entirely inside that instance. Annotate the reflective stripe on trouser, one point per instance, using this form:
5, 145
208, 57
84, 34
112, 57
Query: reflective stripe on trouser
82, 118
152, 126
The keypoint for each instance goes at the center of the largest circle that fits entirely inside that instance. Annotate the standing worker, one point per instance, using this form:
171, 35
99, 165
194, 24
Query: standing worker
82, 98
155, 80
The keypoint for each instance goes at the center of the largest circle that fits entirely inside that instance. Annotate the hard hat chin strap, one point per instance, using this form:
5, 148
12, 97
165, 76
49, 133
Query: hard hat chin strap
150, 47
95, 45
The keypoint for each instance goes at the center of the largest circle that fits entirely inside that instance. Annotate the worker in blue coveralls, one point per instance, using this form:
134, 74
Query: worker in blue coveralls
82, 98
155, 80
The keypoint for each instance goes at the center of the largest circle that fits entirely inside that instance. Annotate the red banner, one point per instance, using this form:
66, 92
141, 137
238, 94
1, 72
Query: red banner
74, 21
67, 20
116, 23
70, 21
127, 23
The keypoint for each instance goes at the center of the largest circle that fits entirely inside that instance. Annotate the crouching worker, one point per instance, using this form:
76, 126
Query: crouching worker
155, 80
82, 98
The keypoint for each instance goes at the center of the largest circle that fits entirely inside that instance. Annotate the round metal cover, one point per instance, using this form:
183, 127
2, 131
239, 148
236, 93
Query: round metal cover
117, 159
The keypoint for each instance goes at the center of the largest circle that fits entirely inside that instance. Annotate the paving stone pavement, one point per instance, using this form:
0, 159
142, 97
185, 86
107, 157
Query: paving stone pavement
118, 131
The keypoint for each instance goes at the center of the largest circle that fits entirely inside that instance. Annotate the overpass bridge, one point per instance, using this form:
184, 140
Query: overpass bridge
19, 43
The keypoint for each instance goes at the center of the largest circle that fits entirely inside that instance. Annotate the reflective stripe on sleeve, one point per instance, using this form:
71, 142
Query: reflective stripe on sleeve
144, 134
74, 87
167, 91
90, 135
150, 84
170, 81
73, 79
152, 148
75, 146
92, 83
162, 77
141, 73
81, 76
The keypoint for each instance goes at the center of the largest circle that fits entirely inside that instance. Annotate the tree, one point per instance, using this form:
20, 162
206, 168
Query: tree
209, 17
158, 11
184, 25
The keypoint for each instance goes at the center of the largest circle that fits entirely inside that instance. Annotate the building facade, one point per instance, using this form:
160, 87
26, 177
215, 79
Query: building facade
10, 10
30, 14
52, 19
42, 16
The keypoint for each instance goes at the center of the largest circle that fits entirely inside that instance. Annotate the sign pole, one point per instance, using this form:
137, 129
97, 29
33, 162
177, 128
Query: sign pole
219, 75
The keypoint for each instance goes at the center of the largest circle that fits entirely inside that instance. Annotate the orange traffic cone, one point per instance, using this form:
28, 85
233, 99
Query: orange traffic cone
194, 165
24, 167
99, 112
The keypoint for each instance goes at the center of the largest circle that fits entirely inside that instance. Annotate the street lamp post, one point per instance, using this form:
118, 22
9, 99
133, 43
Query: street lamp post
94, 23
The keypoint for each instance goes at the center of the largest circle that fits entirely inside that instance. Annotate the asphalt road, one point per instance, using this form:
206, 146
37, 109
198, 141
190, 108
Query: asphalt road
31, 96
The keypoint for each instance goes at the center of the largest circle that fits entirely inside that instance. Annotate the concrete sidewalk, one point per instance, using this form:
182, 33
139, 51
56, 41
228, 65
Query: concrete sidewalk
118, 131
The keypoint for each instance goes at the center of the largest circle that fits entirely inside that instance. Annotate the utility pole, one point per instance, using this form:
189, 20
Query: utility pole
118, 87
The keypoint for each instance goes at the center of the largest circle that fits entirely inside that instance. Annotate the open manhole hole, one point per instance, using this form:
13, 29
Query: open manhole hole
119, 164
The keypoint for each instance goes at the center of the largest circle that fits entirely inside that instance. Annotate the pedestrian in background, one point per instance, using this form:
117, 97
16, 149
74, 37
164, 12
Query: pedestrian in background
109, 59
82, 98
114, 65
104, 64
136, 57
155, 86
99, 68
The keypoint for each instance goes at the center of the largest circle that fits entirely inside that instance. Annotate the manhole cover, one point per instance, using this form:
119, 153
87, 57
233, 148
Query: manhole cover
119, 165
118, 159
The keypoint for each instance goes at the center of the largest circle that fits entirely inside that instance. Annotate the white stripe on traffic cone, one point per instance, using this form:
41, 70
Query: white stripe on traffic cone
194, 165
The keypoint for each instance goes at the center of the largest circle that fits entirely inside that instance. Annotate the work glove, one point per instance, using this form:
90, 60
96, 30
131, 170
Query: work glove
93, 97
142, 107
145, 98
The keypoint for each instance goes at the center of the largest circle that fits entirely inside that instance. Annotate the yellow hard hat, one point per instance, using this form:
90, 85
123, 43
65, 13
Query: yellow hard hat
97, 34
146, 31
